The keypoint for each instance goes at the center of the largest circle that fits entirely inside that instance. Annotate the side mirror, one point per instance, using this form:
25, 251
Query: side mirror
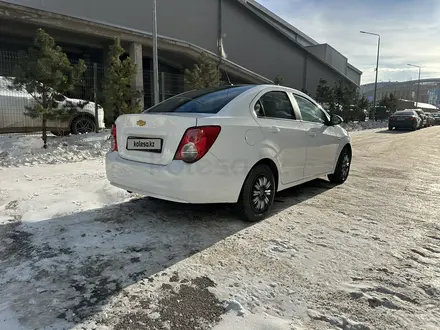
335, 120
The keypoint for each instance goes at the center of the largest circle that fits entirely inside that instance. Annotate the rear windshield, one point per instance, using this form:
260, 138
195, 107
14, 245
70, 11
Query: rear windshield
404, 113
208, 100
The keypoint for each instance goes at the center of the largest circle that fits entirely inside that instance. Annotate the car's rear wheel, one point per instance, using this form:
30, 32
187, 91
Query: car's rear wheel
342, 168
258, 193
83, 125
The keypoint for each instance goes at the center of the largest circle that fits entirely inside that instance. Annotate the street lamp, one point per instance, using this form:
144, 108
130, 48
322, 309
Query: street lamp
418, 85
377, 65
155, 57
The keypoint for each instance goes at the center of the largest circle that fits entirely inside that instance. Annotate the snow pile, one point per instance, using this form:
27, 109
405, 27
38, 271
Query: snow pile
362, 125
16, 150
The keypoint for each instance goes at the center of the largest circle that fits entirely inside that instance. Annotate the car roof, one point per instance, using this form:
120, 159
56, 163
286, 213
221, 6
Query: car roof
404, 111
261, 87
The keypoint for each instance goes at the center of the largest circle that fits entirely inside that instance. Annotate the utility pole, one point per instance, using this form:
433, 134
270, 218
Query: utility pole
155, 57
377, 65
418, 84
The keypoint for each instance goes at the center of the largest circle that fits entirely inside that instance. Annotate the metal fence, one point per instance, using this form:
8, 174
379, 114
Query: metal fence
87, 97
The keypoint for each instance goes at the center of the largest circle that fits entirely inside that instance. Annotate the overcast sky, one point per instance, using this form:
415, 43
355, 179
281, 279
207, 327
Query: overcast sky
409, 29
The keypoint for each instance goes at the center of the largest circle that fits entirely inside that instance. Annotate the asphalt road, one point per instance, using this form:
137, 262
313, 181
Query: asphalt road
363, 255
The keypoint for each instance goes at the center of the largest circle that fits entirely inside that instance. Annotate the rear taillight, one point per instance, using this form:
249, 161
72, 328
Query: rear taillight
114, 140
196, 142
411, 118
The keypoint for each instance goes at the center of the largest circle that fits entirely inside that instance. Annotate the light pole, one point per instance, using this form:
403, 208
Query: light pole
155, 57
418, 84
377, 65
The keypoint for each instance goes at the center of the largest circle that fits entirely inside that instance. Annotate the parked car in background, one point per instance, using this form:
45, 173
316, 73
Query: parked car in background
430, 120
436, 118
379, 113
422, 116
13, 119
232, 144
405, 119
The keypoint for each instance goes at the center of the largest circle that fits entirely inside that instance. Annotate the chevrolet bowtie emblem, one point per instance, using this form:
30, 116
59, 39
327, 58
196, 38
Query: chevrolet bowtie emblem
141, 123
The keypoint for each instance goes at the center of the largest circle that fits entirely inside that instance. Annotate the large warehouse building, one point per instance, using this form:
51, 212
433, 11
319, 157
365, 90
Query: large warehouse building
258, 44
429, 91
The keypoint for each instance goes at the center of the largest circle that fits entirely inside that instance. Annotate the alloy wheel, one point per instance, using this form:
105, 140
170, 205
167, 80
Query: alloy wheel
84, 125
345, 166
262, 191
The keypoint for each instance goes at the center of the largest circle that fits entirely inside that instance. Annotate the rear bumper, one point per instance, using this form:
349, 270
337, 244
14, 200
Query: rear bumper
403, 124
206, 181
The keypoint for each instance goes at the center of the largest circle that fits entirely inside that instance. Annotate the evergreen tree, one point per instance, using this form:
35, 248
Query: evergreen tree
204, 74
278, 80
392, 102
384, 101
119, 95
45, 72
338, 94
323, 92
363, 103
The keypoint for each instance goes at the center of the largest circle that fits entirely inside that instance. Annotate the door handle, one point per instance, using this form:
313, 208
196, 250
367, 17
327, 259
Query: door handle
275, 129
312, 134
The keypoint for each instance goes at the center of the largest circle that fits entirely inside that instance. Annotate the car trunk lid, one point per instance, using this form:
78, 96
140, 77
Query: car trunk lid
152, 138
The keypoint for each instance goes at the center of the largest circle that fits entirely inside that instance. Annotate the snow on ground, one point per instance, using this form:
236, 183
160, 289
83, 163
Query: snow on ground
363, 125
76, 253
22, 149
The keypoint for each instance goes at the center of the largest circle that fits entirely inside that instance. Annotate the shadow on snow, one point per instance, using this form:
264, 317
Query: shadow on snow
74, 264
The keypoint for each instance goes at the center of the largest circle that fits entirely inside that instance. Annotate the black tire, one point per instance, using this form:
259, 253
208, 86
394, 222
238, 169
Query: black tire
83, 125
257, 195
342, 168
60, 133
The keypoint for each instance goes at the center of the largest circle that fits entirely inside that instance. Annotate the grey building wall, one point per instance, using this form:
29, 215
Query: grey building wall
137, 14
336, 59
318, 50
248, 41
353, 75
315, 71
259, 47
331, 56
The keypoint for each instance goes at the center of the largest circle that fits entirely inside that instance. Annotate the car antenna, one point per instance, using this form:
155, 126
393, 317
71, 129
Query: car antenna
229, 80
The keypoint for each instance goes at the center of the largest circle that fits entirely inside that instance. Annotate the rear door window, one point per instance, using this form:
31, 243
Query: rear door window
208, 100
275, 104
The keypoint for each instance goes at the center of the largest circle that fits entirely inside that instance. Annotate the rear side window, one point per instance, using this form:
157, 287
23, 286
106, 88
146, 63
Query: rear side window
275, 104
404, 113
208, 100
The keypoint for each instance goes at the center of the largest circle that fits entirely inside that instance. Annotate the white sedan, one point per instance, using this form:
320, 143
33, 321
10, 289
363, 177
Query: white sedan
231, 144
13, 119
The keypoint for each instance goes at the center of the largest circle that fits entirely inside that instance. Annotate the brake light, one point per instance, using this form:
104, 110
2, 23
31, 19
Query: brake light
114, 140
196, 142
